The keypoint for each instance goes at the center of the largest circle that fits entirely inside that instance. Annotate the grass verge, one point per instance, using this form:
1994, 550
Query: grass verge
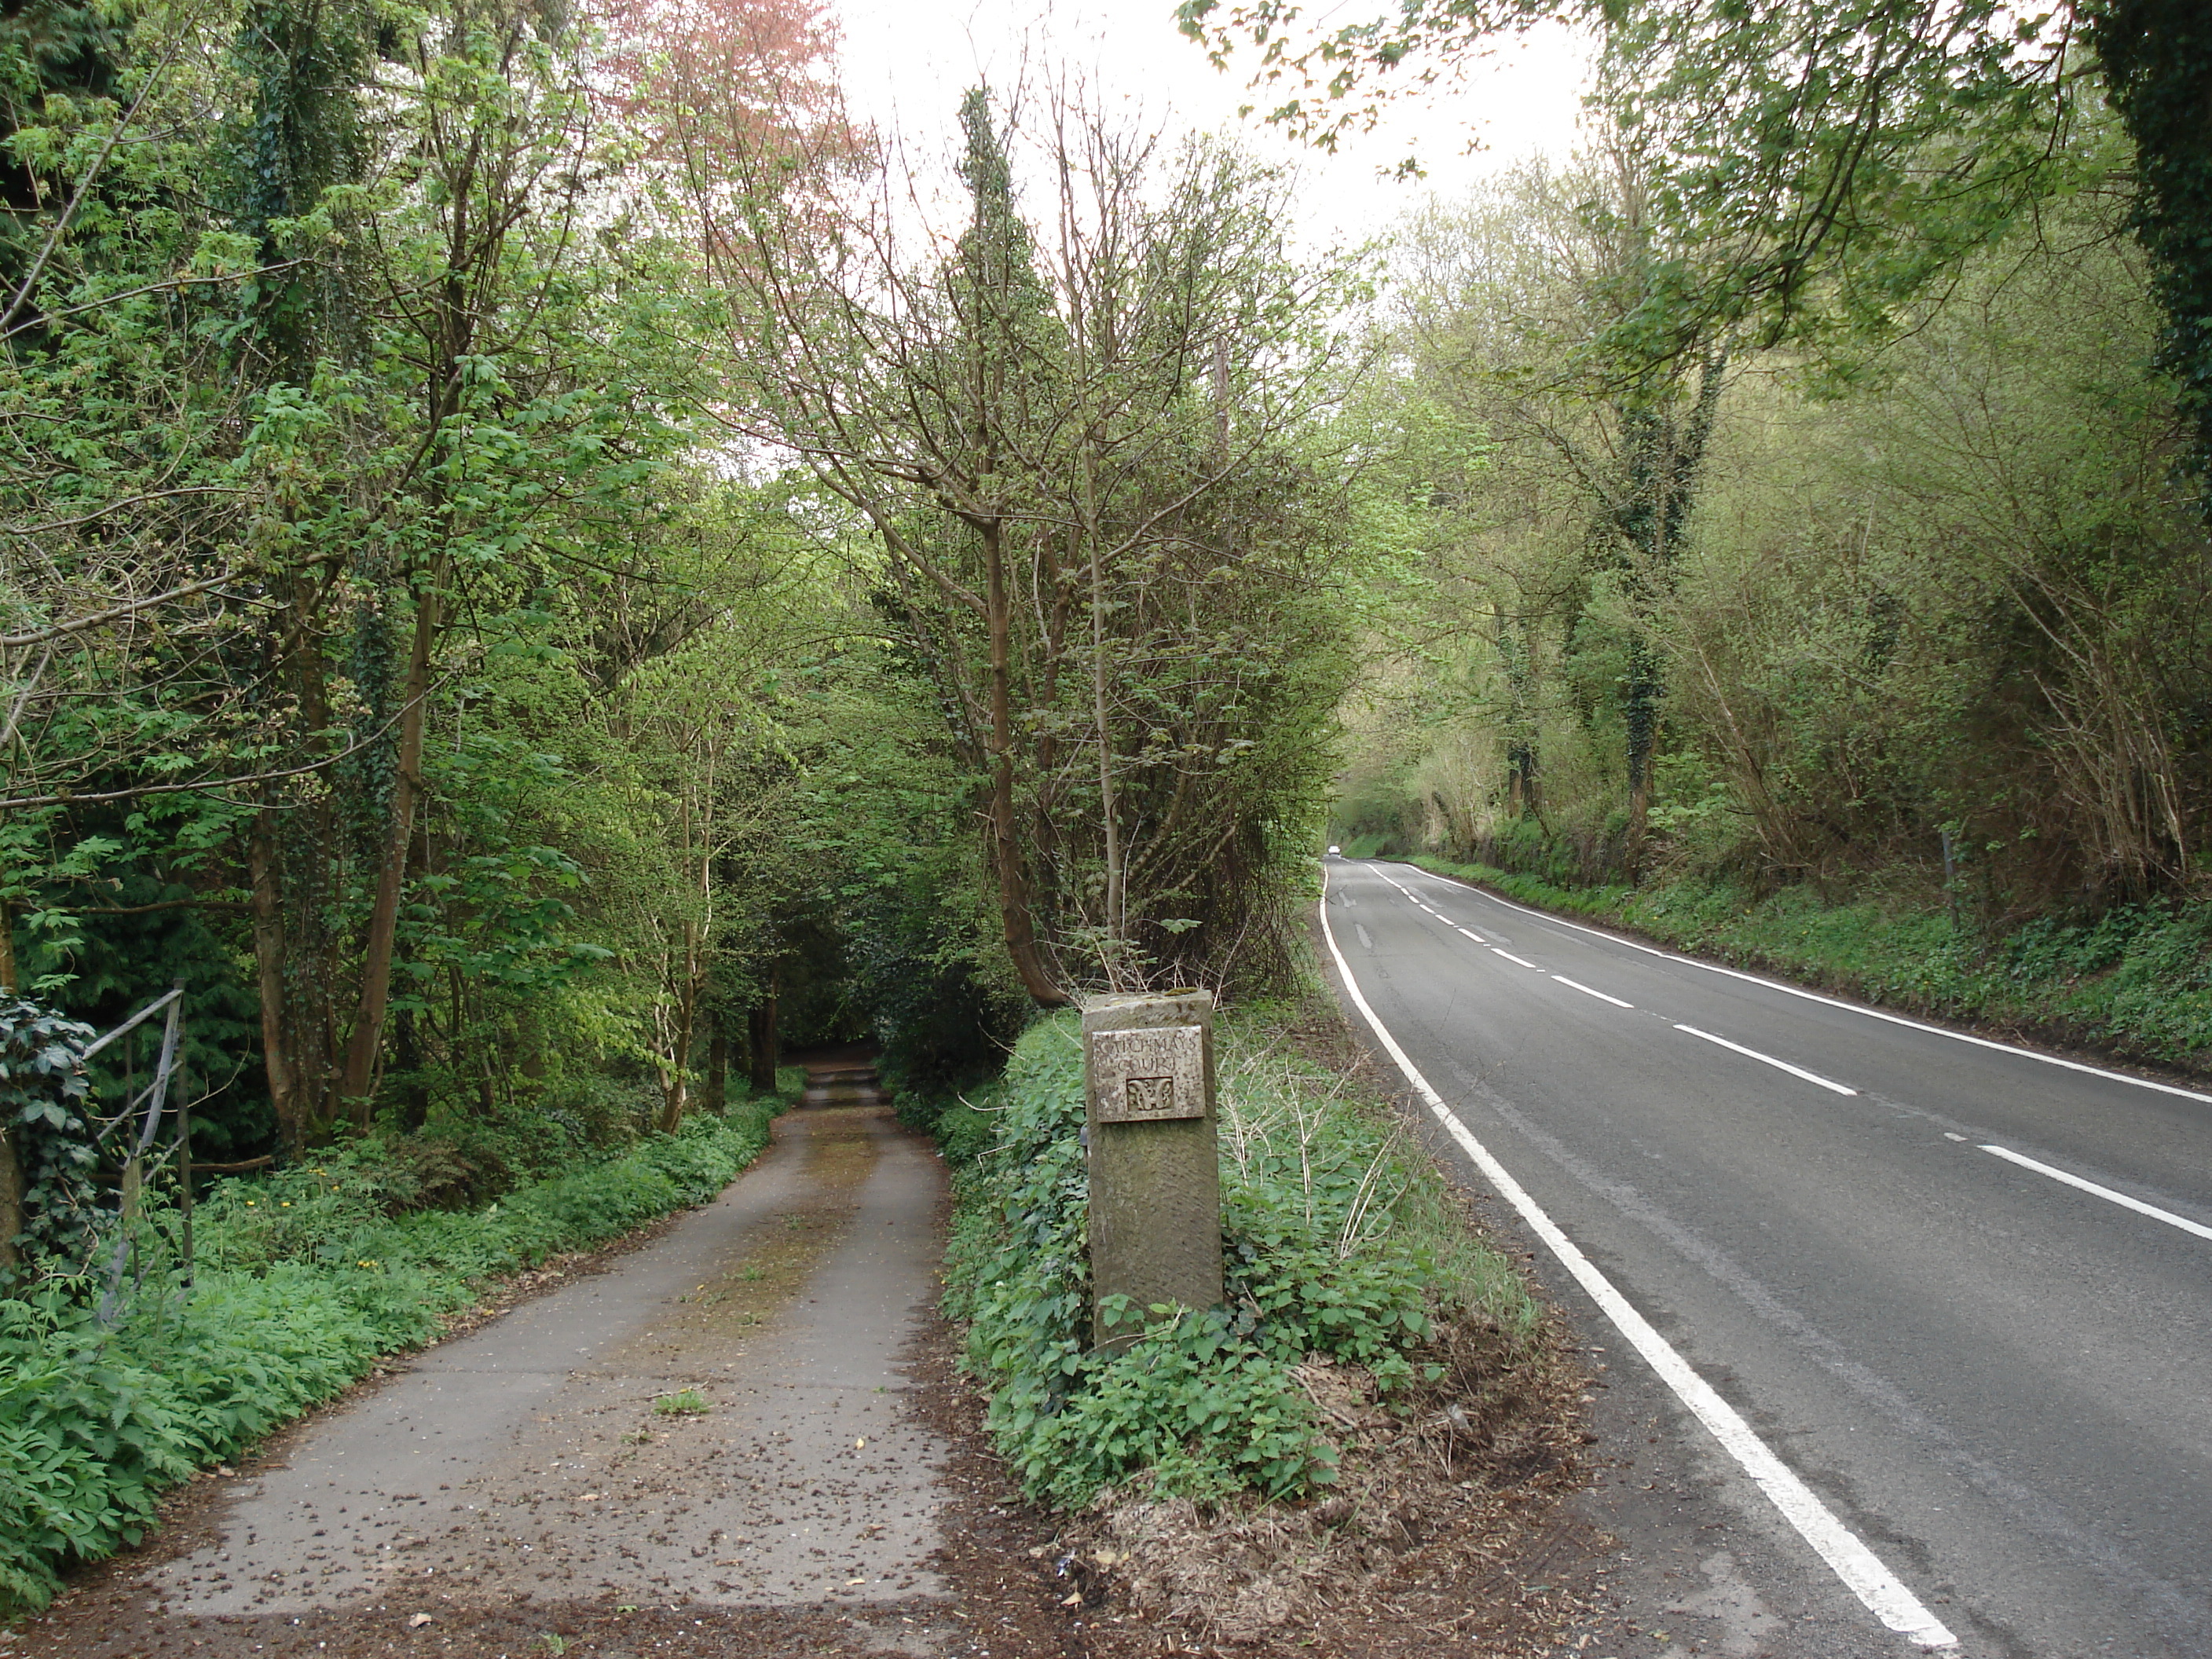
1367, 1418
2137, 982
1341, 1246
303, 1283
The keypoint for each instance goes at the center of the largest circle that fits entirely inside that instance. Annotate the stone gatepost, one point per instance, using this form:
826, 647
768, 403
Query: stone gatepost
1155, 1171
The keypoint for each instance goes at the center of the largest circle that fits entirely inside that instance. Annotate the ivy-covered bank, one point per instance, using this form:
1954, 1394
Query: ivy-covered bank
1341, 1239
304, 1280
2136, 980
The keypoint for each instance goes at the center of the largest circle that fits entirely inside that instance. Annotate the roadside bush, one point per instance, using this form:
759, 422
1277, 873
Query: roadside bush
304, 1280
1335, 1242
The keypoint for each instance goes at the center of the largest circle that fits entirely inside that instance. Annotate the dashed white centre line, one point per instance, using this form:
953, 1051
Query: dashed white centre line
1769, 1060
1862, 1570
1509, 957
1477, 938
2121, 1198
1578, 986
1621, 943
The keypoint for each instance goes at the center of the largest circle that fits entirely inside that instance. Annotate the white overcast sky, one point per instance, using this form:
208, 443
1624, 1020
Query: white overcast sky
906, 63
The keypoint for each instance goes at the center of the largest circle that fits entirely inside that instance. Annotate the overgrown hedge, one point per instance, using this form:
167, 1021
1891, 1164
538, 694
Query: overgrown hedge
2138, 979
303, 1283
1338, 1240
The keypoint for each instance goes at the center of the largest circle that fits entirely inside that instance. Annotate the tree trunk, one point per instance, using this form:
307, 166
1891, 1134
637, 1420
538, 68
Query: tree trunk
406, 1041
718, 1068
761, 1047
676, 1077
1108, 808
278, 1062
1015, 912
359, 1083
1641, 706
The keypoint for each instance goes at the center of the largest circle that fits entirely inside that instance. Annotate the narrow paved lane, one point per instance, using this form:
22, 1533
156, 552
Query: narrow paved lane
713, 1434
528, 1460
1963, 1292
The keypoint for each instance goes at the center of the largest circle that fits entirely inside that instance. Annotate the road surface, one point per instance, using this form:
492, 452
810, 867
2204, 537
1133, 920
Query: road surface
1957, 1295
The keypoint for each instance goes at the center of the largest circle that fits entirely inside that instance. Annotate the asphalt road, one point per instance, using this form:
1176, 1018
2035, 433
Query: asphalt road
1996, 1381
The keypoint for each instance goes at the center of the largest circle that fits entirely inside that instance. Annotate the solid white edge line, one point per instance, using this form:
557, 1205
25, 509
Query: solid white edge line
1587, 992
2122, 1199
1509, 957
1769, 1060
1814, 996
1862, 1572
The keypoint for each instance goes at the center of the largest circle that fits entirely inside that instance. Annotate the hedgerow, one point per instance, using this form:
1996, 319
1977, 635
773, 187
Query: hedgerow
2136, 980
1336, 1240
303, 1282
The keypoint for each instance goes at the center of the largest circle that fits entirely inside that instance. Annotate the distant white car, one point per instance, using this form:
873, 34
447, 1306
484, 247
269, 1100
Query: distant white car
1335, 848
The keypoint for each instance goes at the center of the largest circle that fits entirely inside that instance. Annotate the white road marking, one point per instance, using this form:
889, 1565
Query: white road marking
1948, 1135
1477, 938
2122, 1199
1509, 957
1364, 938
1769, 1060
1831, 1002
1586, 991
1862, 1572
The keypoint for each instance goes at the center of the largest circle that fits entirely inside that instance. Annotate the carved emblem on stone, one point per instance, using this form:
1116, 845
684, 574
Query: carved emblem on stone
1146, 1075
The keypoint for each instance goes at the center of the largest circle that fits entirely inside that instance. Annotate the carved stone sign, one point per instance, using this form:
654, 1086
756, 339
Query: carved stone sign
1144, 1076
1151, 1156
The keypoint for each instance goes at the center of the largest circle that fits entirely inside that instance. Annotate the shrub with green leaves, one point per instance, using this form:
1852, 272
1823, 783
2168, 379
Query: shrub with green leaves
304, 1280
1336, 1240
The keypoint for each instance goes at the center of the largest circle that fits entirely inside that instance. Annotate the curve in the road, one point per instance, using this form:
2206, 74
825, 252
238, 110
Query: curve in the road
2020, 1344
1885, 1595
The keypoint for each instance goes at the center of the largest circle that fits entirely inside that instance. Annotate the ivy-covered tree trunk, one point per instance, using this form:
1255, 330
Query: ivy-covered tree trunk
359, 1084
1664, 451
306, 62
2157, 59
1516, 655
1016, 910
